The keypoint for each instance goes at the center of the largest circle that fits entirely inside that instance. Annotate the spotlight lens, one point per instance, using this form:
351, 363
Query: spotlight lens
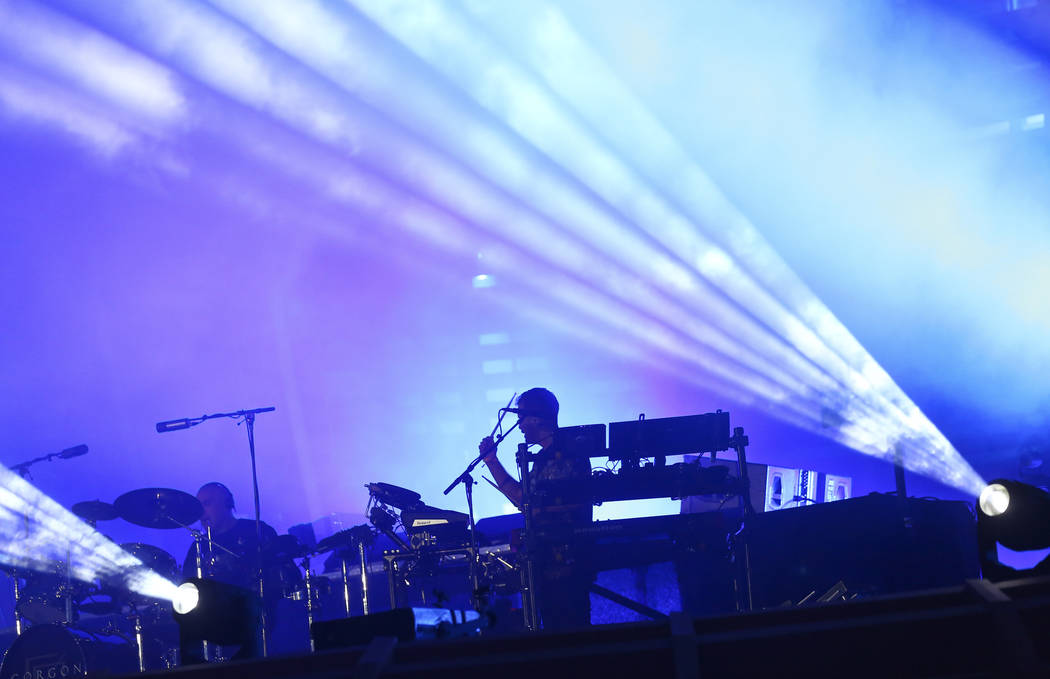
186, 598
994, 499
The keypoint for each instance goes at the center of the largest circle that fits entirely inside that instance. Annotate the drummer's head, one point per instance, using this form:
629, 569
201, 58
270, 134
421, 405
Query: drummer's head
217, 501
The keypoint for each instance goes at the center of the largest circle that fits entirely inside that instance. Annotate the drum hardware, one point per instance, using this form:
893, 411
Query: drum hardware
139, 644
359, 537
309, 598
384, 520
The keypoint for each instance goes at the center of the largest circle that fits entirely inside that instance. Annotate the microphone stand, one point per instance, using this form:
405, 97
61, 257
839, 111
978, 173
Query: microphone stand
23, 470
23, 467
468, 485
249, 422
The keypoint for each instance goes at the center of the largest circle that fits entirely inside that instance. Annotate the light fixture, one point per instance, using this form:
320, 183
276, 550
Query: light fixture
1017, 516
186, 598
217, 612
994, 499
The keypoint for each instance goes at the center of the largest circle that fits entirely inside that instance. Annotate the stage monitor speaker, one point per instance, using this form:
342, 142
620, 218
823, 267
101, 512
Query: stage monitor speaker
407, 624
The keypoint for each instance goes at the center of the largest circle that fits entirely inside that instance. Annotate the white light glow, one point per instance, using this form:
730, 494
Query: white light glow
994, 499
185, 598
40, 533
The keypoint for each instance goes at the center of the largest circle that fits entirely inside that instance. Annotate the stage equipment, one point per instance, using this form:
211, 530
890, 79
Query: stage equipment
395, 496
634, 440
1017, 516
468, 487
51, 651
248, 417
359, 539
45, 595
49, 595
630, 443
93, 511
866, 542
153, 559
440, 543
216, 612
163, 508
406, 624
23, 467
787, 487
977, 629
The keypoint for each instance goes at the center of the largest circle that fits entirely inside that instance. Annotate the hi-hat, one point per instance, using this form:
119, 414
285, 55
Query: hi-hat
95, 510
158, 507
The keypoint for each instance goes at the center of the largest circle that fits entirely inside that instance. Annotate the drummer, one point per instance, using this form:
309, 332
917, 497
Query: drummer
228, 553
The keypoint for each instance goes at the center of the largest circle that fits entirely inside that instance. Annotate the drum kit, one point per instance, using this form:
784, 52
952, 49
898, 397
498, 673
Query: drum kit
75, 627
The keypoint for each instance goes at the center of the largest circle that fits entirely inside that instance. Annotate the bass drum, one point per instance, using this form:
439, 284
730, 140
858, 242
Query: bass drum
59, 651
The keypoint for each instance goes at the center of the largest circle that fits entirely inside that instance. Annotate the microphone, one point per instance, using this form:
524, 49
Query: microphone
75, 451
173, 425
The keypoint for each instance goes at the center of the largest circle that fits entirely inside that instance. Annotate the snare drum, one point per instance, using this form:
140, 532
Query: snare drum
60, 651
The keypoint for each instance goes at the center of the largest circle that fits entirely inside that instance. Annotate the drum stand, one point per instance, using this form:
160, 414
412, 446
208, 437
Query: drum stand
139, 646
308, 584
18, 597
199, 538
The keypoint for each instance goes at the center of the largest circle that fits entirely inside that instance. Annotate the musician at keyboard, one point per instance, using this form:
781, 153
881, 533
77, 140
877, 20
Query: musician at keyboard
563, 582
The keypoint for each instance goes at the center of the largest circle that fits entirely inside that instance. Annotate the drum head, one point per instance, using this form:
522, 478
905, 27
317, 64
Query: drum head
57, 651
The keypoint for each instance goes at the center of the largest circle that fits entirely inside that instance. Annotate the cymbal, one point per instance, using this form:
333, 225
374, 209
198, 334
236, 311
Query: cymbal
395, 496
95, 510
158, 507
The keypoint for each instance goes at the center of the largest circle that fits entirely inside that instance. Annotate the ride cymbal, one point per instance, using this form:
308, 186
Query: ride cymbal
159, 507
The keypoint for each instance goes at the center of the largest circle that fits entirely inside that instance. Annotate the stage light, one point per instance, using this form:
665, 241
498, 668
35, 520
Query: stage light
186, 598
1014, 515
994, 500
217, 612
